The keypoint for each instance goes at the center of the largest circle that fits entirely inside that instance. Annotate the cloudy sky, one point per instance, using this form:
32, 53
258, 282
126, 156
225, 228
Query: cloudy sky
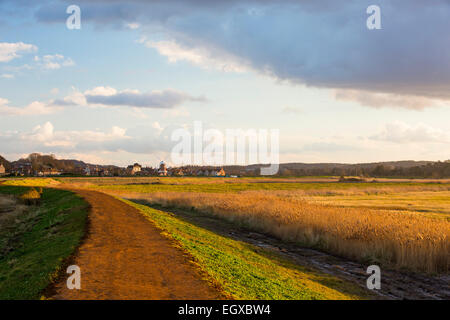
113, 91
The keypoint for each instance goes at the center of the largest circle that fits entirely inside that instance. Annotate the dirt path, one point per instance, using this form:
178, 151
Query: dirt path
124, 256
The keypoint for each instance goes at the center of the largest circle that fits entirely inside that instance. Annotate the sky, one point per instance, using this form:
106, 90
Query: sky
114, 91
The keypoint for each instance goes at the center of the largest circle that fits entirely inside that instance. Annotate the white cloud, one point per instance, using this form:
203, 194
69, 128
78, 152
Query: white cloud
3, 102
41, 133
380, 100
75, 98
118, 132
34, 108
157, 126
10, 51
198, 56
400, 132
101, 91
45, 136
132, 26
291, 110
50, 138
175, 113
53, 62
17, 69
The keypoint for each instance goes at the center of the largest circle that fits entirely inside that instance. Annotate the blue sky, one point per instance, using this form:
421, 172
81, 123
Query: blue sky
113, 91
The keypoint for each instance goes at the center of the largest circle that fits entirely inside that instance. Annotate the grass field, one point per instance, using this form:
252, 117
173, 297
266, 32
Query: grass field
35, 240
427, 203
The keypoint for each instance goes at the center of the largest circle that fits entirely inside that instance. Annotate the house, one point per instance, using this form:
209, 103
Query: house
2, 170
136, 168
178, 172
189, 171
162, 171
26, 169
103, 173
87, 171
48, 172
94, 171
220, 173
147, 171
22, 169
216, 173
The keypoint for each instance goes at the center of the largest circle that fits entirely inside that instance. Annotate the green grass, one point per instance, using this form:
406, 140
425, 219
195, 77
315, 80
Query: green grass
244, 271
33, 249
30, 182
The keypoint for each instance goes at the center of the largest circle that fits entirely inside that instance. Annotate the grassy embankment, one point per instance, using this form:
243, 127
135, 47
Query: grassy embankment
35, 241
244, 271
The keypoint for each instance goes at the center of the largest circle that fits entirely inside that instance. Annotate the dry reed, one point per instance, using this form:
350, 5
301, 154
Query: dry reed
391, 238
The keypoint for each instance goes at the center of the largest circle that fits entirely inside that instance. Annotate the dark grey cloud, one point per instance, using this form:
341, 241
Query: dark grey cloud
165, 99
316, 43
107, 96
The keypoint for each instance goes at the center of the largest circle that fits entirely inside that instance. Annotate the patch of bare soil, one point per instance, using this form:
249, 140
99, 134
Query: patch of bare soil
394, 284
124, 256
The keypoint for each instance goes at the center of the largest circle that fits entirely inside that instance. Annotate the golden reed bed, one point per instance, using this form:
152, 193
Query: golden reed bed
392, 238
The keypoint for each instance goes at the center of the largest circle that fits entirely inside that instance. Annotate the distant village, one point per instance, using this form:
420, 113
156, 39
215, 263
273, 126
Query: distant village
40, 165
44, 166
